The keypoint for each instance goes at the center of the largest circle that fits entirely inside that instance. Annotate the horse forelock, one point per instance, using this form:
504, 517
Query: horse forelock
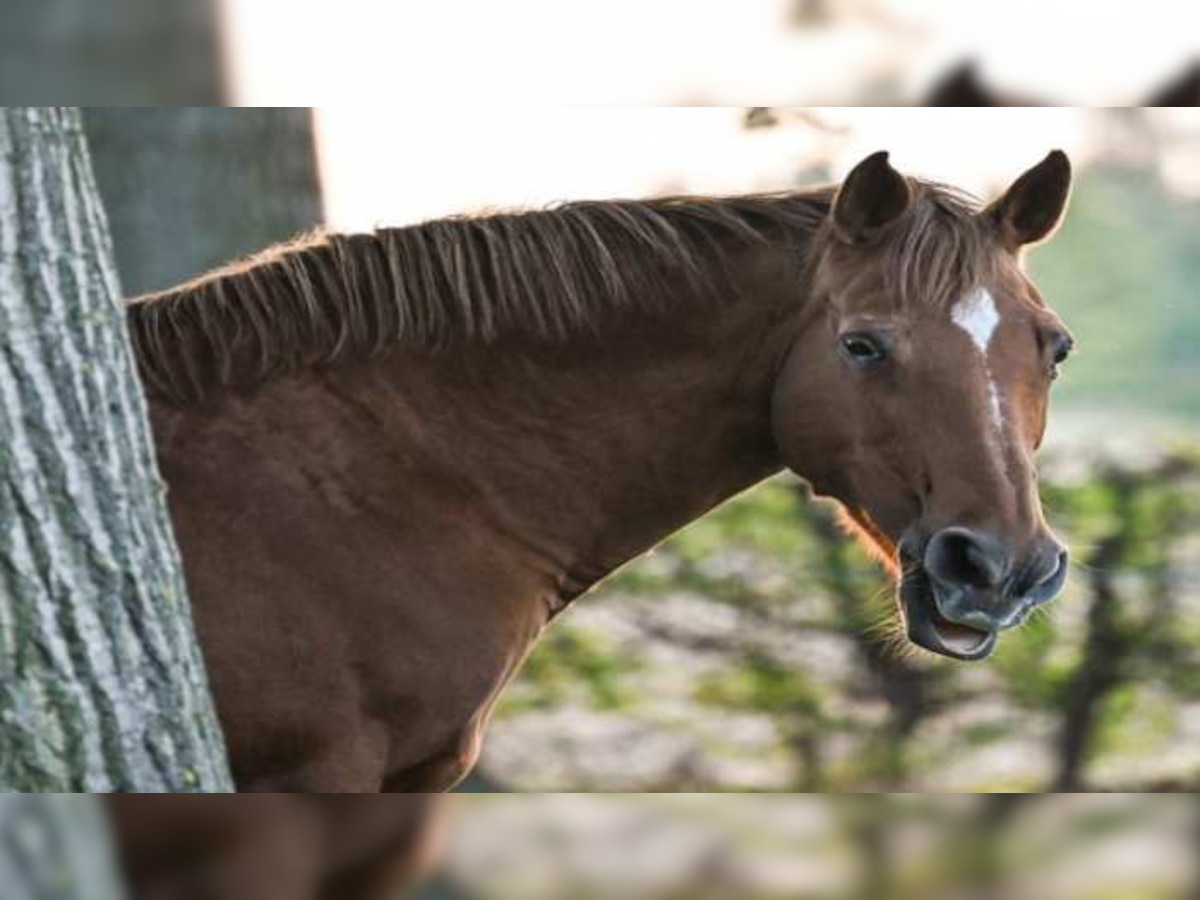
946, 250
939, 251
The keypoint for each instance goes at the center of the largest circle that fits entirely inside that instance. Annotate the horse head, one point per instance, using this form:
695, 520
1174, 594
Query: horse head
916, 395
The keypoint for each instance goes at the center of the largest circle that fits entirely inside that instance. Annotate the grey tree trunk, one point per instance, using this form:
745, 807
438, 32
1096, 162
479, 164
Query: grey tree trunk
189, 188
102, 687
55, 847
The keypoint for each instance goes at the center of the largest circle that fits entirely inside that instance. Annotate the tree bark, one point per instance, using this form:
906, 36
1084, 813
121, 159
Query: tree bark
189, 188
55, 847
102, 687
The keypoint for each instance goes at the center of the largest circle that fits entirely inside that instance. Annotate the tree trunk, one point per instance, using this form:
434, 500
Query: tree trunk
102, 687
190, 188
55, 847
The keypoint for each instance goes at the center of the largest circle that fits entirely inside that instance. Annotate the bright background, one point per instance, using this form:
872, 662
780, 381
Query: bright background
460, 99
402, 164
549, 52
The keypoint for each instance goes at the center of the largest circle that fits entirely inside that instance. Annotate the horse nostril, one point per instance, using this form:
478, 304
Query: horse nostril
959, 557
1052, 581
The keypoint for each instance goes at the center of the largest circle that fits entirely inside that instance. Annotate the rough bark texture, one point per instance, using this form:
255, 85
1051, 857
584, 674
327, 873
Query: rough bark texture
102, 687
55, 848
189, 188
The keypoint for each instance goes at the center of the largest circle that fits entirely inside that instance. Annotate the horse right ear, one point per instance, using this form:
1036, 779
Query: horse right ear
1184, 91
1031, 210
873, 196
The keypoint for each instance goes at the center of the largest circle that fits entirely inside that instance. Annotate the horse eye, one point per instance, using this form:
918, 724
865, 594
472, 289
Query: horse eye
863, 349
1061, 346
1062, 352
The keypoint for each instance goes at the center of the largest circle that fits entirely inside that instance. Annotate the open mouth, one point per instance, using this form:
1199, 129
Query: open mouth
929, 629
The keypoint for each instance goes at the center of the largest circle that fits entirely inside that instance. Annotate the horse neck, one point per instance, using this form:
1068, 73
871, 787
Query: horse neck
591, 452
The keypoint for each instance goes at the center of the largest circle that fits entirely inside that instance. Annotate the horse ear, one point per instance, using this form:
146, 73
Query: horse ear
1184, 91
873, 196
1033, 207
961, 88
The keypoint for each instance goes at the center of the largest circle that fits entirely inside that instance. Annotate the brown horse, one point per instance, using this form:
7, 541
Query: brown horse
964, 87
394, 458
275, 846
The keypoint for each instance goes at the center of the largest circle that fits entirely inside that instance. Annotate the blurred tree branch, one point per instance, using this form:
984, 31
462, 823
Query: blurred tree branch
757, 117
1139, 539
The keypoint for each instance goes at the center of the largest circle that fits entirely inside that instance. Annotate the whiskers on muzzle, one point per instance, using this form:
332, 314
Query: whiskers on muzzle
961, 588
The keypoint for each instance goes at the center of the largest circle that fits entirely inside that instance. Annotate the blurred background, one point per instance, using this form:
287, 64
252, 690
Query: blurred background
469, 52
801, 847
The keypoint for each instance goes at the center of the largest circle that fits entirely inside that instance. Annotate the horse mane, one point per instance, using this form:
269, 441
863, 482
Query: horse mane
545, 275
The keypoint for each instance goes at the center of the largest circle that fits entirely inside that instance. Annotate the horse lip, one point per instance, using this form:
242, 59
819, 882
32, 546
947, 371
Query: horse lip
929, 629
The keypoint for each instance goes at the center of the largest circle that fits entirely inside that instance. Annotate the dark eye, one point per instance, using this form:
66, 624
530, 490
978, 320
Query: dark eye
862, 349
1060, 345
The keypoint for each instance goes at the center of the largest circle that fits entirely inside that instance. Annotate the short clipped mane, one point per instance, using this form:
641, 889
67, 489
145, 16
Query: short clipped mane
543, 275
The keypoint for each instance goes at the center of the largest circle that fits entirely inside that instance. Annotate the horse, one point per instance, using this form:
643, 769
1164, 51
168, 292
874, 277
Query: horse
275, 846
394, 458
964, 86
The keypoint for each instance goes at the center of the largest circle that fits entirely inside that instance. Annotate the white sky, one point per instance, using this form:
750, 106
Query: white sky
413, 164
584, 52
458, 100
728, 52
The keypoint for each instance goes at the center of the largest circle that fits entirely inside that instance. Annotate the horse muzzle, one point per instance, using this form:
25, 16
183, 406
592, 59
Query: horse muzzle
962, 589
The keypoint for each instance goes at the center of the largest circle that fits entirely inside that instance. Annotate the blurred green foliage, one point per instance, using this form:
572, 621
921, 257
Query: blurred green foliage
1101, 683
577, 664
1124, 273
852, 847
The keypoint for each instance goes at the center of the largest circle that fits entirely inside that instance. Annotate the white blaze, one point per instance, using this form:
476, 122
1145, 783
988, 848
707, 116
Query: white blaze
976, 314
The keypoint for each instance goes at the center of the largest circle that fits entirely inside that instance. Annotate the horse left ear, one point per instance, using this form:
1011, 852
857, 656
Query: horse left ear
873, 196
1033, 207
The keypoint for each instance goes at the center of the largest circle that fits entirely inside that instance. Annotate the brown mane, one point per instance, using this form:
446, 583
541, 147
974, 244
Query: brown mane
940, 250
548, 274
